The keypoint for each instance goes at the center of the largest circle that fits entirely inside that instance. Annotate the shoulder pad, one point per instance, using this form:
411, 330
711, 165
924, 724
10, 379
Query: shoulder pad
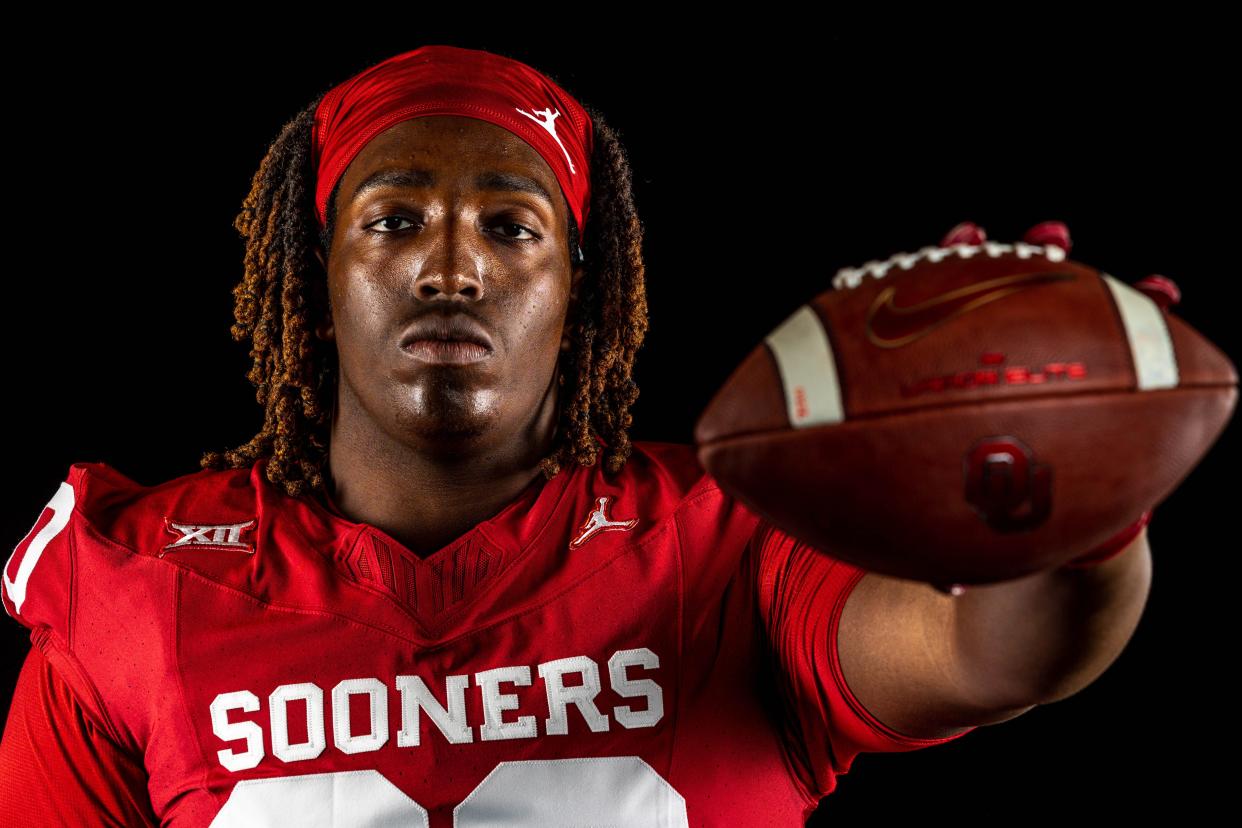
676, 463
87, 579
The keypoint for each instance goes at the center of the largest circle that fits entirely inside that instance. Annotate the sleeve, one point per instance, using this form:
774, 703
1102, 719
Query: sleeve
801, 593
39, 585
57, 767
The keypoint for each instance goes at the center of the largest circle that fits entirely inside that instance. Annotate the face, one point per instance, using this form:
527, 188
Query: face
442, 217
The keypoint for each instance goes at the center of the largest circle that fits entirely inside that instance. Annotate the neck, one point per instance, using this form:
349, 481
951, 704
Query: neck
426, 498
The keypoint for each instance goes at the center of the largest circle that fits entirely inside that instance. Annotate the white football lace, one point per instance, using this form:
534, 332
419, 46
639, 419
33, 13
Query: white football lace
851, 277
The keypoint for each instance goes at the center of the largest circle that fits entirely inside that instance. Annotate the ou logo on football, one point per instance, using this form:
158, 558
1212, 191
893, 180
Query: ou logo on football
1005, 485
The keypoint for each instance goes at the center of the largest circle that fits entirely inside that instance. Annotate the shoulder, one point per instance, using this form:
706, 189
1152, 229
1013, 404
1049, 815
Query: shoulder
674, 465
147, 519
96, 518
672, 472
90, 581
709, 520
706, 511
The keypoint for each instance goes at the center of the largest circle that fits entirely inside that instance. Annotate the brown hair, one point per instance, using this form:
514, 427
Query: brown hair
282, 297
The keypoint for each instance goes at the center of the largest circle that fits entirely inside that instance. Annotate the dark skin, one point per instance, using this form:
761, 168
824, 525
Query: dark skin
426, 451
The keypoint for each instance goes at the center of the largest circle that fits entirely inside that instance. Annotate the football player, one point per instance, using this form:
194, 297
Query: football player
441, 586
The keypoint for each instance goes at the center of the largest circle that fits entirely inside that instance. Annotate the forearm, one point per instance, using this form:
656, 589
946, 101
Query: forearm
1041, 638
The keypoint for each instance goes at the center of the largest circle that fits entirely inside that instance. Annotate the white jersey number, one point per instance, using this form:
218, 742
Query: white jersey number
608, 790
61, 505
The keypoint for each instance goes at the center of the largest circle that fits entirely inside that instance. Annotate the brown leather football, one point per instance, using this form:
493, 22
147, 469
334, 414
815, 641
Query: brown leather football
969, 413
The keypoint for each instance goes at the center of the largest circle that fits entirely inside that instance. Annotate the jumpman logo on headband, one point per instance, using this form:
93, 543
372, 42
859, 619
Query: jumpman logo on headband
598, 522
547, 122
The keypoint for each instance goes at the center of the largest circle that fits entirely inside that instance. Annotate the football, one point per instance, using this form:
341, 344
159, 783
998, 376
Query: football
970, 412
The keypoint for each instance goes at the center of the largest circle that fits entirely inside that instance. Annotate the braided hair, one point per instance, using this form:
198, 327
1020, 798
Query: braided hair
282, 297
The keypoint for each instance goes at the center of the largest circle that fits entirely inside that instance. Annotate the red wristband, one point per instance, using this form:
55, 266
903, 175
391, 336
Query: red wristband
1111, 547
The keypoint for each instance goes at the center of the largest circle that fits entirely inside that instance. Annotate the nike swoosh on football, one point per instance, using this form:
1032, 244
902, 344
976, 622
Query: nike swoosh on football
890, 326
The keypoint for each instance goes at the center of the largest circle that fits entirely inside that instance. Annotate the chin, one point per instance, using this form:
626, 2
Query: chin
445, 420
447, 444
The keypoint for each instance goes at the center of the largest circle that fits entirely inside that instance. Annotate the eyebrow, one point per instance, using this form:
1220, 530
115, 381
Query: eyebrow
489, 180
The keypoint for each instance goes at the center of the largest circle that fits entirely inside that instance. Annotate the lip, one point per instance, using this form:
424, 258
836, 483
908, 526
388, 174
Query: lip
454, 339
441, 352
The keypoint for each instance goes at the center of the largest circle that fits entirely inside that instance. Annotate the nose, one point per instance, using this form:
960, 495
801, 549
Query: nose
447, 283
449, 270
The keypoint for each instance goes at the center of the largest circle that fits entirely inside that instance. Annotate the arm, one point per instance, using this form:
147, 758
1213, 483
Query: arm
930, 665
57, 767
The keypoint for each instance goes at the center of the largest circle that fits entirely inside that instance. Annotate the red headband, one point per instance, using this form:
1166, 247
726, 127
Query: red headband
450, 80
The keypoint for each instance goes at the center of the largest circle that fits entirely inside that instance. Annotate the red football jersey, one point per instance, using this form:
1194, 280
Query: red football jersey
630, 649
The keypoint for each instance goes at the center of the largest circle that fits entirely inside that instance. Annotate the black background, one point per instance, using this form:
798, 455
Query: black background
766, 156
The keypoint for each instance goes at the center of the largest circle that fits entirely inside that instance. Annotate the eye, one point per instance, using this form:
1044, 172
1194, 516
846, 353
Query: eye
387, 221
509, 225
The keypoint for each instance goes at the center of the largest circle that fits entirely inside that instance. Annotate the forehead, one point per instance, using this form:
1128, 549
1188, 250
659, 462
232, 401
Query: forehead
448, 142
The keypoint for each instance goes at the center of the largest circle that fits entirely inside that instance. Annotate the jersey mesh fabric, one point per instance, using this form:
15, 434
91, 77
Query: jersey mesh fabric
801, 593
59, 765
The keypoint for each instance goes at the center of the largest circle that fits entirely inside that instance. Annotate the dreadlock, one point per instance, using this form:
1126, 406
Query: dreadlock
283, 296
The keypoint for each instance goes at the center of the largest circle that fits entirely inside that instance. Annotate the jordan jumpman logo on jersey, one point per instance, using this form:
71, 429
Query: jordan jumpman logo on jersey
599, 522
547, 122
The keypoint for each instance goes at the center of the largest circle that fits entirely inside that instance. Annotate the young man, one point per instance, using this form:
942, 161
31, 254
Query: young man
441, 586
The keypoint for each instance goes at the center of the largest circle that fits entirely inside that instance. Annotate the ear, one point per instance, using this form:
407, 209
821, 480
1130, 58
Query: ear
324, 330
575, 283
